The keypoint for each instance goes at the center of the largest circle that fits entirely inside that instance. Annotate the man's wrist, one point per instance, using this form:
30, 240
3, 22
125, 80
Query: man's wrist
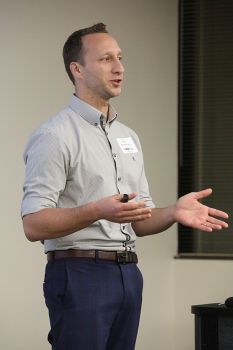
171, 213
95, 211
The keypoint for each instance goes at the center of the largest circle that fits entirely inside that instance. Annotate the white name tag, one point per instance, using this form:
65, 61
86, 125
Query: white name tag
127, 145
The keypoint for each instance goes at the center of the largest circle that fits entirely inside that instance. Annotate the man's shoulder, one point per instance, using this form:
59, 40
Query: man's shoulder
58, 121
57, 130
56, 125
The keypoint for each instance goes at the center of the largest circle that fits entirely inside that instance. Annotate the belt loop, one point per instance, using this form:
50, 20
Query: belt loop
96, 256
52, 256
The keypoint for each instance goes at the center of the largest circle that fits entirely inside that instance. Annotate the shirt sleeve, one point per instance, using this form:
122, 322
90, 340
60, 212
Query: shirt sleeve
46, 160
143, 192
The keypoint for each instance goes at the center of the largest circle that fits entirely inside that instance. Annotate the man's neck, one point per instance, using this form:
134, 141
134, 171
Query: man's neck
100, 104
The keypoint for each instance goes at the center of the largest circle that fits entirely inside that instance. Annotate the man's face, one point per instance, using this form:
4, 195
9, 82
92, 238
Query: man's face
102, 71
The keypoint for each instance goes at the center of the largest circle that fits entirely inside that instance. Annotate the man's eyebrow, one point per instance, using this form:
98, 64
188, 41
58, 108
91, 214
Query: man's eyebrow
119, 53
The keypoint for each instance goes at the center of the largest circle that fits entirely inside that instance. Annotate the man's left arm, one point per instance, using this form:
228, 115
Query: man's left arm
187, 211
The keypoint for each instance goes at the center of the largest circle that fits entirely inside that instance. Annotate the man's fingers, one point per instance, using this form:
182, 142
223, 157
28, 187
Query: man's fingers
213, 224
133, 213
218, 213
205, 227
217, 223
134, 218
134, 206
203, 194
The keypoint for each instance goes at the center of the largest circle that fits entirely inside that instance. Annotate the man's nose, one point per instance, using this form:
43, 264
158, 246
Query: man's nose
118, 67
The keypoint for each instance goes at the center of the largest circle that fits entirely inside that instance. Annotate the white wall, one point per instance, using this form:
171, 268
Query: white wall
197, 282
33, 86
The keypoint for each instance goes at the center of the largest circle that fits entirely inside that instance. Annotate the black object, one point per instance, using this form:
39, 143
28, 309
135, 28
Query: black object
213, 326
126, 257
229, 302
125, 198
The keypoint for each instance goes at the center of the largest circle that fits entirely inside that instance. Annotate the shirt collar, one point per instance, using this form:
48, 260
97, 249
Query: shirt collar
89, 113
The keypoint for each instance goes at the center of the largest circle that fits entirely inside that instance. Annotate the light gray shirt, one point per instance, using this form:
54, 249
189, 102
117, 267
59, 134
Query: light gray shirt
77, 157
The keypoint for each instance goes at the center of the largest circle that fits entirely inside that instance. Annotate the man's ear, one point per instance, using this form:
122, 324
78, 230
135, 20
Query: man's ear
75, 70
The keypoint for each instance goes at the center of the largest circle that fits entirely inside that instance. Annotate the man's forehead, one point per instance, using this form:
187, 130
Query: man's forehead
100, 42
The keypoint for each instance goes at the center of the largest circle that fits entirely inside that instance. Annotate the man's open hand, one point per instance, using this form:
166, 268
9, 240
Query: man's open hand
190, 212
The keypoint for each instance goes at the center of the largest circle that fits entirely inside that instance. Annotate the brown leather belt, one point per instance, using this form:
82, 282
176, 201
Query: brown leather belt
122, 257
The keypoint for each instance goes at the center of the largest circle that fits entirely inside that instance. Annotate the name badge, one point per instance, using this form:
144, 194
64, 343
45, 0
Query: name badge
127, 145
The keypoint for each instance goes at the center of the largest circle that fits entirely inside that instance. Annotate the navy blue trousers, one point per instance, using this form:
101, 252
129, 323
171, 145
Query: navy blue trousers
93, 304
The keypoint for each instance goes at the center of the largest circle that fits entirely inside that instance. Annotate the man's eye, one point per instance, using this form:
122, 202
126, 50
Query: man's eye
106, 59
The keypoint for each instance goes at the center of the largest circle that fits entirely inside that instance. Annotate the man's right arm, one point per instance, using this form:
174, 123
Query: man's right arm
52, 223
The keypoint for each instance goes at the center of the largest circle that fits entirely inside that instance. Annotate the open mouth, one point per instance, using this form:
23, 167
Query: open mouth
116, 81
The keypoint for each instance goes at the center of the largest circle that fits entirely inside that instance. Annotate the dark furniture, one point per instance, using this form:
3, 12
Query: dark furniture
213, 327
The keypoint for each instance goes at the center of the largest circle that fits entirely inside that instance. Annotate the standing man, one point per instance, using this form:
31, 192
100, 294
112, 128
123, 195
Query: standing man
86, 197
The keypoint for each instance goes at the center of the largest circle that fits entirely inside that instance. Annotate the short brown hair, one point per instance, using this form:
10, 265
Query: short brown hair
72, 50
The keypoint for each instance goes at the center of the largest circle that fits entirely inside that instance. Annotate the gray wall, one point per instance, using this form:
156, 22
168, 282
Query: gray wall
33, 87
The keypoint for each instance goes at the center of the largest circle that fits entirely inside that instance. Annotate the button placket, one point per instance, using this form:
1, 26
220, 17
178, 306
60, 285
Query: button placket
118, 162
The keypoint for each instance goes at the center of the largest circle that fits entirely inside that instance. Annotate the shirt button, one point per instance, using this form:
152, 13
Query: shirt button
119, 178
114, 155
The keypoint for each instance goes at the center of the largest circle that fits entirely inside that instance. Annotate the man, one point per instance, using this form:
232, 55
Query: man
86, 197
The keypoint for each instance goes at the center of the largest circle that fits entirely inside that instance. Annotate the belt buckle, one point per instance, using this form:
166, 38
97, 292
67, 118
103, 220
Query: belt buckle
123, 257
